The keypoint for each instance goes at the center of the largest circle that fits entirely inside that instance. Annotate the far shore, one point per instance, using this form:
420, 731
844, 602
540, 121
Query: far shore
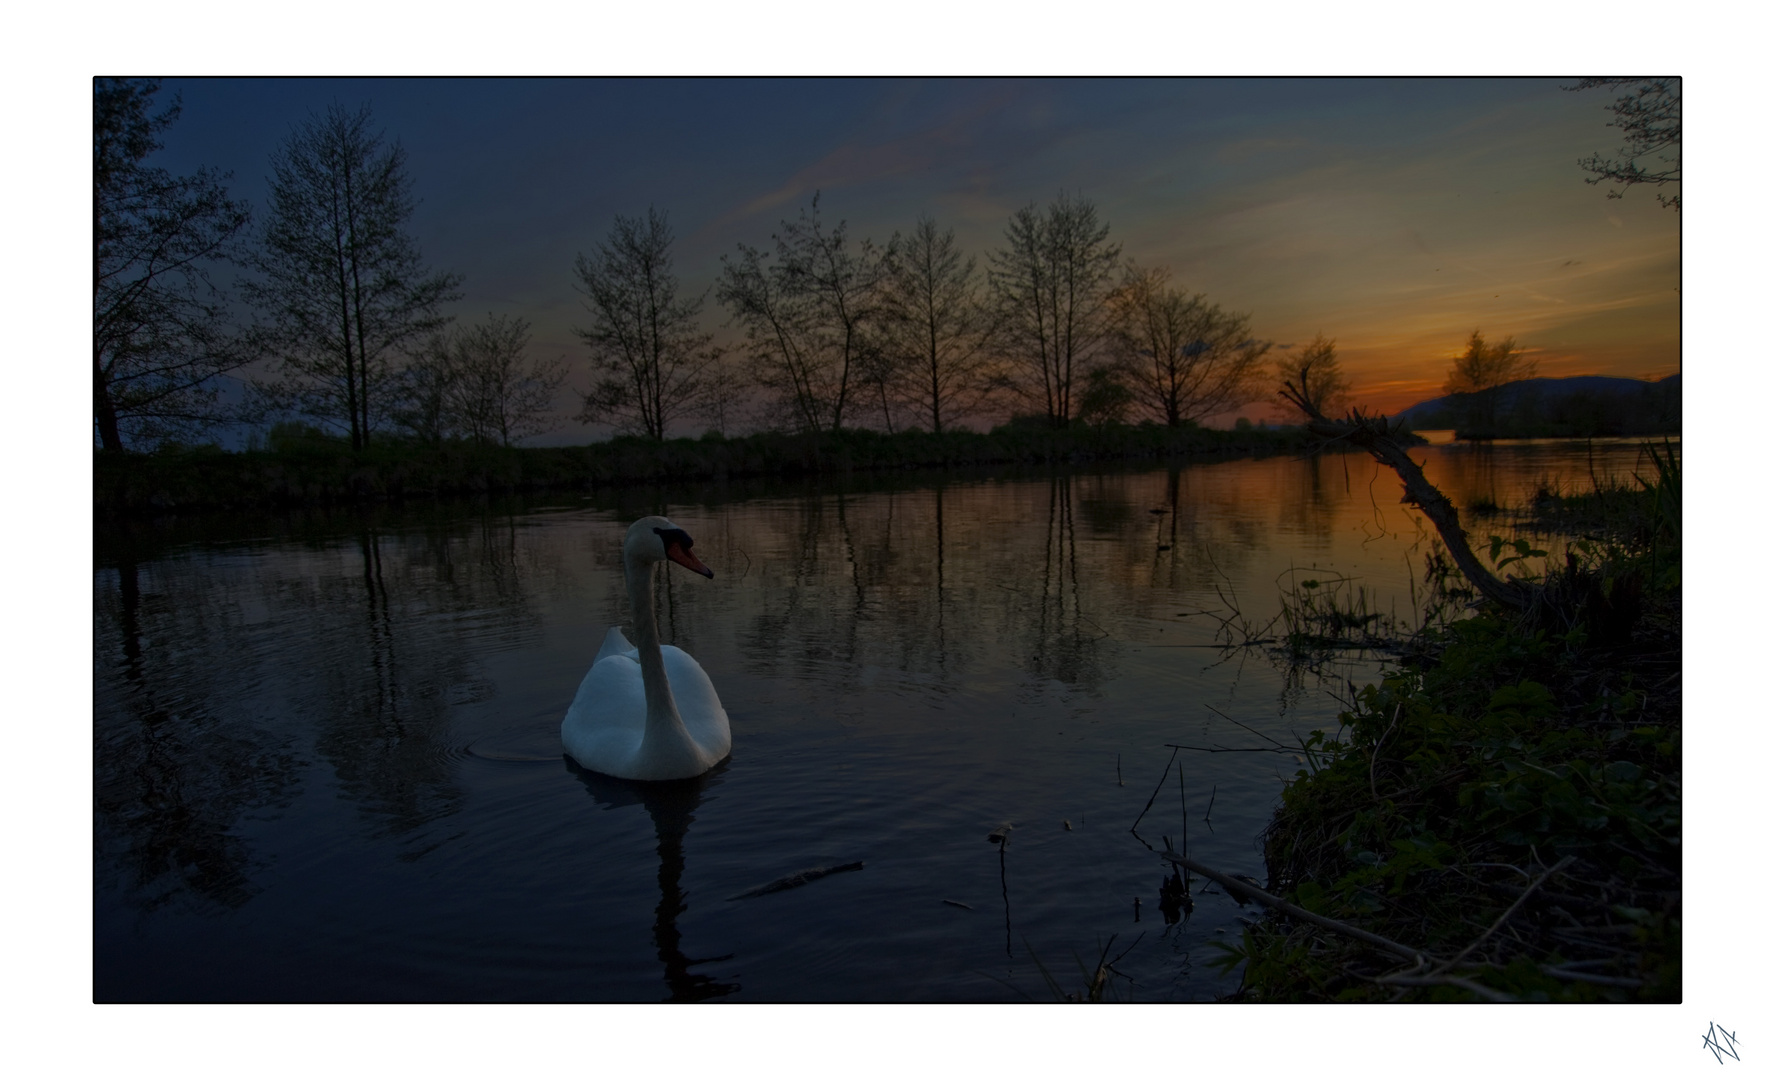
319, 471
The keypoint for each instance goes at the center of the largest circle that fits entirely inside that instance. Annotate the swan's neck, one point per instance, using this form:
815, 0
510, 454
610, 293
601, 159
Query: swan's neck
662, 710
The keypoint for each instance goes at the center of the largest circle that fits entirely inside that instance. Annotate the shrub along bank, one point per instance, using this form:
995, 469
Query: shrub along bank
1508, 802
319, 471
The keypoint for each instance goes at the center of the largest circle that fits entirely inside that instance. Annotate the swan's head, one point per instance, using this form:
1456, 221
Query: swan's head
656, 539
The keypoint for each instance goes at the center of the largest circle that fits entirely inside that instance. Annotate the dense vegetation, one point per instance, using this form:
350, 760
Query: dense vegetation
1507, 803
304, 467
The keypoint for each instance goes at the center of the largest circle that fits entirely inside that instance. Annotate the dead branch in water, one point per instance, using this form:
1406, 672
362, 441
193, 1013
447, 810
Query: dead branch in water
1373, 434
796, 880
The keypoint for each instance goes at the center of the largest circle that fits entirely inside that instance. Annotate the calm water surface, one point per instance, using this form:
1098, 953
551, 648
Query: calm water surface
327, 758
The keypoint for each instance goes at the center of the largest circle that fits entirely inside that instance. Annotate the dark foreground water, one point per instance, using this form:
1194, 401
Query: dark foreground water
327, 761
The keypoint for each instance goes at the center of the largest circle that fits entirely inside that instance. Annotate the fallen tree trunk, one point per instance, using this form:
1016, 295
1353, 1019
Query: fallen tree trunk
1371, 433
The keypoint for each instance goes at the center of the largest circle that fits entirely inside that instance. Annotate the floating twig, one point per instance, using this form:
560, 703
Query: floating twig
1247, 727
1155, 794
796, 880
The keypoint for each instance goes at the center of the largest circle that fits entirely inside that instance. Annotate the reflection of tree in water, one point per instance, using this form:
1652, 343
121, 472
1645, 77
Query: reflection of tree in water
397, 641
811, 618
672, 806
870, 581
214, 671
386, 719
1307, 506
921, 583
1062, 639
170, 778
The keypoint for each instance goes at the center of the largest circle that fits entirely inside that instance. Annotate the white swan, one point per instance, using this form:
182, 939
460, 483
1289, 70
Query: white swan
646, 712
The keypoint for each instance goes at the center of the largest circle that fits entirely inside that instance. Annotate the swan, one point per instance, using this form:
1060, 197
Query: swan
647, 712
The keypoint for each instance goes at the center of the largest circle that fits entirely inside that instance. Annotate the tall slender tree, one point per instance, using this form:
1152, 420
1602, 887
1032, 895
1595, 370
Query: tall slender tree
937, 326
161, 334
809, 314
1051, 282
428, 389
341, 283
496, 396
643, 335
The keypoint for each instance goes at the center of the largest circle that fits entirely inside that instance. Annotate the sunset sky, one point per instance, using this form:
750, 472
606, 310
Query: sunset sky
1395, 215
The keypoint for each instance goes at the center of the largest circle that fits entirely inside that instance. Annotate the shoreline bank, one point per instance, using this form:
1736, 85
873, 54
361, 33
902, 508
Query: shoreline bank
325, 472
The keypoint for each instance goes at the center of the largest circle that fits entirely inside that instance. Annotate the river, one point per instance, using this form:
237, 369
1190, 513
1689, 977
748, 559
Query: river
327, 757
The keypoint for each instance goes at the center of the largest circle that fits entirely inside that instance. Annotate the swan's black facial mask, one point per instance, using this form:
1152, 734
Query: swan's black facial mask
678, 544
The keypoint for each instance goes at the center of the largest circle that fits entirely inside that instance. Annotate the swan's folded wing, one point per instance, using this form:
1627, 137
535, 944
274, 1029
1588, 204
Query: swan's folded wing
698, 704
604, 725
614, 645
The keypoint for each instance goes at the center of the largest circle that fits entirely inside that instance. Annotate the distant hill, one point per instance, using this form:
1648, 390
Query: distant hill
1579, 406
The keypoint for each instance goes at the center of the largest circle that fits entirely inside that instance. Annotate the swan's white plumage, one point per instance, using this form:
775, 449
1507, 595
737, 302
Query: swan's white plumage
610, 727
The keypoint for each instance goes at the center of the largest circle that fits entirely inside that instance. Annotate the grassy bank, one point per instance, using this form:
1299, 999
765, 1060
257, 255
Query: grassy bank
1507, 802
318, 472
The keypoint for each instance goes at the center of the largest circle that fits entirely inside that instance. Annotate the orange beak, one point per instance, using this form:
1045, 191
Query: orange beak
680, 554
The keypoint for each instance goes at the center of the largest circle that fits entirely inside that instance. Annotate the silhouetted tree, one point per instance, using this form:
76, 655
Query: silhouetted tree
808, 315
1050, 282
427, 388
496, 396
160, 330
1184, 358
1106, 398
1651, 118
643, 335
1480, 371
937, 326
342, 284
1314, 376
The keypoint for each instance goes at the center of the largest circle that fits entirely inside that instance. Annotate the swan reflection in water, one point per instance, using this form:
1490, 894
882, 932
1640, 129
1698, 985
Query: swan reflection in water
672, 806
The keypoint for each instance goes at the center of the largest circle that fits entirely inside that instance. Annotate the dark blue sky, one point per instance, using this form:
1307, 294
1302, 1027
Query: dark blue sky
1396, 215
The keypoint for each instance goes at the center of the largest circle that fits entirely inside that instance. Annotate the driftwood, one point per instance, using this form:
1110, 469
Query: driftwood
1232, 884
1373, 434
1417, 976
799, 878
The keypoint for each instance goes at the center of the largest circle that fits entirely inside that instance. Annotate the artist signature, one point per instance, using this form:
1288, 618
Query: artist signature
1721, 1042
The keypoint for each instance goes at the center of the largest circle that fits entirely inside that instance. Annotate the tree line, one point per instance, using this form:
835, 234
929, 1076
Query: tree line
342, 310
838, 330
348, 321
